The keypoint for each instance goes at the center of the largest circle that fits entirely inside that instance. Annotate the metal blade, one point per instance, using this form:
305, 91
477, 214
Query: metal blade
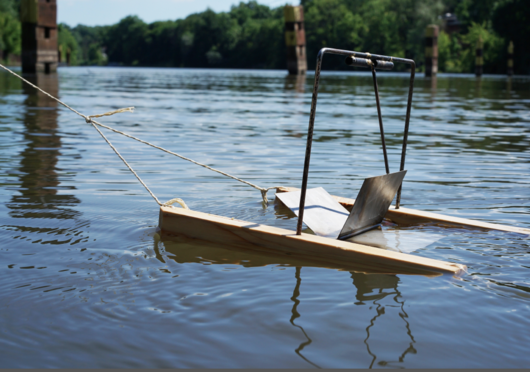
372, 203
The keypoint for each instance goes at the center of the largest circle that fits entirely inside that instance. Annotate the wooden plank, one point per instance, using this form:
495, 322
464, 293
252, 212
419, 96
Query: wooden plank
236, 233
406, 216
190, 250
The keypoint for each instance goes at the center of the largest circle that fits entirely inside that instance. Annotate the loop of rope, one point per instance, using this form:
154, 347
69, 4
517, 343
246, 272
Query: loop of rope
175, 200
110, 113
95, 124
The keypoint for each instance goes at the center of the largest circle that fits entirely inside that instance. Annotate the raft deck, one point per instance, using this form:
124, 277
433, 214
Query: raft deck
406, 216
243, 234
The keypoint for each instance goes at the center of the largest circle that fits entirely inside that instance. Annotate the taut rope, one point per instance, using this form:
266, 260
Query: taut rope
89, 119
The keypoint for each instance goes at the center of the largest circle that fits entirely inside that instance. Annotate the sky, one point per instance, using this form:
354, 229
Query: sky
107, 12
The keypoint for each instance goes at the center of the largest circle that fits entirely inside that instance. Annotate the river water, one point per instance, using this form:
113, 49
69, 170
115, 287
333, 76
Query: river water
86, 281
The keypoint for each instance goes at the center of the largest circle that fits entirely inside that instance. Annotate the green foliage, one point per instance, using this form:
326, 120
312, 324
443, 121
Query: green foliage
471, 12
127, 40
511, 20
492, 51
86, 38
10, 31
252, 35
11, 7
456, 53
329, 23
10, 34
392, 27
96, 56
67, 44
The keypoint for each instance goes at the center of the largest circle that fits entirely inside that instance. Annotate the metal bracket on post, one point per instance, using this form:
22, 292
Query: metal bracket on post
373, 61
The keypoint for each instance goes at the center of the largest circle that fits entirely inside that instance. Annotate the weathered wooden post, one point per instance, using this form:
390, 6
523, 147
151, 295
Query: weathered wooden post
479, 57
431, 50
295, 39
39, 35
510, 59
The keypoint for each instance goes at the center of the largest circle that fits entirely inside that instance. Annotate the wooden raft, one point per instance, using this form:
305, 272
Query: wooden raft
242, 234
406, 216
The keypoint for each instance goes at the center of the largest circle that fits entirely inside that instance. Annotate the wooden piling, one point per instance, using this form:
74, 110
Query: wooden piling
39, 35
510, 59
431, 50
295, 39
479, 57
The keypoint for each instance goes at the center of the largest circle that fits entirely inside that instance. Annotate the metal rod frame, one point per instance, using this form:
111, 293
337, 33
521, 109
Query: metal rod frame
374, 58
376, 90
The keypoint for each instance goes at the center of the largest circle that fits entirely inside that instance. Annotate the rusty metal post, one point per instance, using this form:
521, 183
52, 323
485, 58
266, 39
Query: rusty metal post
431, 50
295, 39
39, 35
479, 57
510, 59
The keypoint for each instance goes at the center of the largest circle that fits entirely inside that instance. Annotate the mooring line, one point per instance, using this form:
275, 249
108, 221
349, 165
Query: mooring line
262, 189
89, 120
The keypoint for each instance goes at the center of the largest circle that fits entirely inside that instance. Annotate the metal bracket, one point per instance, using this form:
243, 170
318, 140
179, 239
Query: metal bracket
361, 60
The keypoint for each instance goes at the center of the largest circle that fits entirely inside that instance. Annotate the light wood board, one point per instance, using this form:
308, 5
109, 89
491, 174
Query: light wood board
406, 216
236, 233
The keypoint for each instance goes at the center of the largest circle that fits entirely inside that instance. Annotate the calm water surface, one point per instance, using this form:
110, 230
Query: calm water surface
86, 281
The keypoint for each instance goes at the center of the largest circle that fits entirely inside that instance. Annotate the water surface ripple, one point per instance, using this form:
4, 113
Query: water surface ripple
86, 281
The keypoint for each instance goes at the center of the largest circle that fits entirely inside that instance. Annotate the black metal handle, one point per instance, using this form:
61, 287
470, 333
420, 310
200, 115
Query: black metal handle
368, 63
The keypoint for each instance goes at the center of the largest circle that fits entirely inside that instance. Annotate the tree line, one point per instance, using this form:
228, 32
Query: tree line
251, 35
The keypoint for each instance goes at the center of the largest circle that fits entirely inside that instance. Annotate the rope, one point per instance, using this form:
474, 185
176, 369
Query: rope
94, 123
127, 164
176, 200
129, 109
262, 189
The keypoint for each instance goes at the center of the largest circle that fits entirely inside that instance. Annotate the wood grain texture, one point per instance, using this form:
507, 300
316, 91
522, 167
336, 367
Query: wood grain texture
406, 216
236, 233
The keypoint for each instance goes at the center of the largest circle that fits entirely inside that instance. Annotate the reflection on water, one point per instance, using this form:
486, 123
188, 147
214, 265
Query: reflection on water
295, 314
40, 194
373, 288
296, 83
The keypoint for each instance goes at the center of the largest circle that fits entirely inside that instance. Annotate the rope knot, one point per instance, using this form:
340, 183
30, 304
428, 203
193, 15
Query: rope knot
264, 196
89, 120
170, 203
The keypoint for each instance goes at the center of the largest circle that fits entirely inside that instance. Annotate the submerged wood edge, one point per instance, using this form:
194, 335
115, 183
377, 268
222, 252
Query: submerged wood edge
413, 216
237, 233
